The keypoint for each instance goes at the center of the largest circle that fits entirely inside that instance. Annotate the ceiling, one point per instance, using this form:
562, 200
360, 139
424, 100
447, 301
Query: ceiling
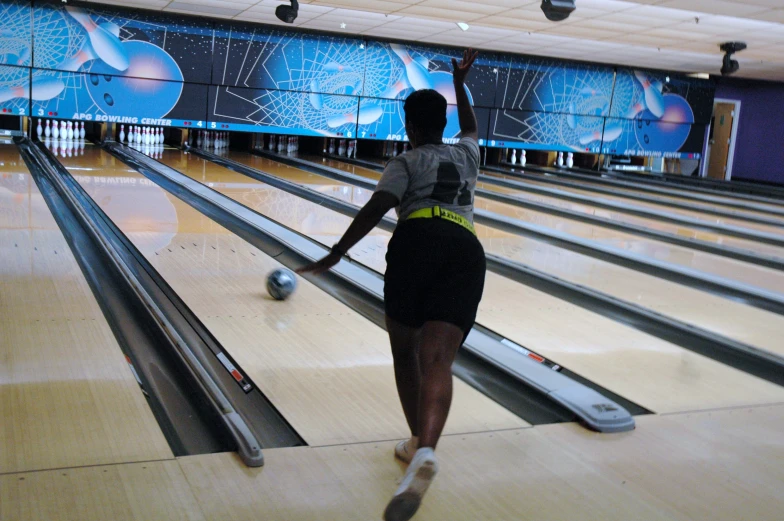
681, 35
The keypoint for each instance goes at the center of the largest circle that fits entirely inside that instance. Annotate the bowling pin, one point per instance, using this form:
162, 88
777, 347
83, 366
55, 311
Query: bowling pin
342, 147
332, 147
514, 156
48, 129
70, 131
103, 40
416, 72
560, 161
82, 132
55, 130
523, 159
198, 138
280, 144
570, 160
39, 130
63, 130
654, 100
122, 133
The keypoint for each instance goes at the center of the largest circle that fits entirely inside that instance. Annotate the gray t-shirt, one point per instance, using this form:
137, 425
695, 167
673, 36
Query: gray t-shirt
434, 175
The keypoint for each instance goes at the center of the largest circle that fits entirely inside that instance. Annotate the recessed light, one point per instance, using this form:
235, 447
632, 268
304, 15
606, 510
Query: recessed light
462, 25
361, 45
667, 79
700, 75
343, 26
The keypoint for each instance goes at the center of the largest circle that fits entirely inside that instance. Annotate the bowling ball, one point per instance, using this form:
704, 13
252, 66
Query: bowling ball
281, 283
137, 90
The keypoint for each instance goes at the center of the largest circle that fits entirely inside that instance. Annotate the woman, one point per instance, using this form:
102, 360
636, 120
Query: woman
435, 271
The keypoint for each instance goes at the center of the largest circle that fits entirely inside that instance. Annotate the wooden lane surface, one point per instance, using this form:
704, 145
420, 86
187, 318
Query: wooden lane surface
716, 466
676, 196
677, 229
653, 373
659, 207
765, 278
150, 491
732, 319
720, 466
67, 396
326, 368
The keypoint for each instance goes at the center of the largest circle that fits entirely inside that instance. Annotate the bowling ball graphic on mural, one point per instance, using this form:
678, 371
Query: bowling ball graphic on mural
671, 131
131, 93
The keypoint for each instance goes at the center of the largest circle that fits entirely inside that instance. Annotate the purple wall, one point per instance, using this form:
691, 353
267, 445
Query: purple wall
759, 150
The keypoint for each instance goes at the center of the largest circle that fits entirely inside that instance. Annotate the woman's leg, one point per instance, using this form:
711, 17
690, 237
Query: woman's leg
405, 353
438, 346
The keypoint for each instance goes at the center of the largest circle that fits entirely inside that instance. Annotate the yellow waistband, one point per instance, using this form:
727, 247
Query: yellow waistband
439, 213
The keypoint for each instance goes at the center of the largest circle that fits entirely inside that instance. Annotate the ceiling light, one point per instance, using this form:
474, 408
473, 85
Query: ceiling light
700, 75
343, 26
462, 25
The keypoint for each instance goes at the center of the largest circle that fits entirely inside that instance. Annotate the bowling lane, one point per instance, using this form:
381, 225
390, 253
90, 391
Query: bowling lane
679, 197
735, 221
683, 231
734, 320
658, 375
67, 394
326, 368
746, 273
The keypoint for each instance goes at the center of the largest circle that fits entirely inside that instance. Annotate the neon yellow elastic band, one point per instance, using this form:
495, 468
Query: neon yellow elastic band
439, 213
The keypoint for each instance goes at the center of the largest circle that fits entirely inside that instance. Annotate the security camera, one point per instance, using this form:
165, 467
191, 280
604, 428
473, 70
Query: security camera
558, 10
287, 13
730, 66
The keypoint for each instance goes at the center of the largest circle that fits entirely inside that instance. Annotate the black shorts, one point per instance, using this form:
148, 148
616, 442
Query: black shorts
435, 271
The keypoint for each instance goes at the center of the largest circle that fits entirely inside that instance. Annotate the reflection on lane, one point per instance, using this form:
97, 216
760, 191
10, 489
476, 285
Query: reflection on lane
708, 263
293, 350
630, 363
658, 207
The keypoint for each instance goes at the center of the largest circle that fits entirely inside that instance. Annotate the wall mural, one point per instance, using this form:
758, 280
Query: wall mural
109, 64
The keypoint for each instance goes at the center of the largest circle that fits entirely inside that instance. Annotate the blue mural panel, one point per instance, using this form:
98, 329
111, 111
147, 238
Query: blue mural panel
15, 33
545, 131
641, 137
539, 85
95, 97
394, 70
251, 56
265, 110
650, 96
122, 42
104, 62
14, 90
385, 120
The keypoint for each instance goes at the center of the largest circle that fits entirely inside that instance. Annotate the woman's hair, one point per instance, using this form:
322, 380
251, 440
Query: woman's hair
426, 111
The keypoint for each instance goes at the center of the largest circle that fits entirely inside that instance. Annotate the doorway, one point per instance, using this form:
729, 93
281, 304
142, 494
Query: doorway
721, 139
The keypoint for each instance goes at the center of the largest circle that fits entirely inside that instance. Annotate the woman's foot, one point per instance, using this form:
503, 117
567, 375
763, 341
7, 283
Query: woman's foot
408, 497
405, 450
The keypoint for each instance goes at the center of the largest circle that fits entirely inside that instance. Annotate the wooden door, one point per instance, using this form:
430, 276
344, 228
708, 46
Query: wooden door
723, 115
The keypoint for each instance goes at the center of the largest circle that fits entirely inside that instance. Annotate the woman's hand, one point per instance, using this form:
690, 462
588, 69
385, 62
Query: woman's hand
460, 70
321, 266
